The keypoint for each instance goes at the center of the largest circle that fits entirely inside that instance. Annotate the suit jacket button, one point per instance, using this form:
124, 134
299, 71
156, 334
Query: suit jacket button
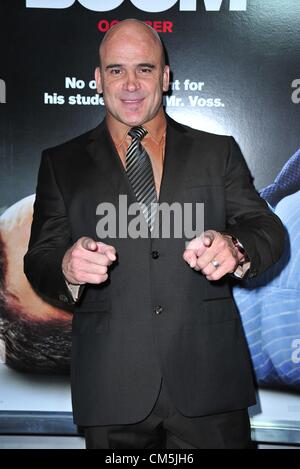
158, 309
63, 298
155, 254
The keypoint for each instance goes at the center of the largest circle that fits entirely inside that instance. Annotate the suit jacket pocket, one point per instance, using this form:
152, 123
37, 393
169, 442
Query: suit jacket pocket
218, 310
95, 298
92, 312
90, 322
192, 182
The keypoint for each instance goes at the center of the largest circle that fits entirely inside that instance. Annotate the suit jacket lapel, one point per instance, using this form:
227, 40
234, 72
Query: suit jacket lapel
178, 147
111, 171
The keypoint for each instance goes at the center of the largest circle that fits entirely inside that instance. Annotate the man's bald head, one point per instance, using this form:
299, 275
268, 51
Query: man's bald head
132, 27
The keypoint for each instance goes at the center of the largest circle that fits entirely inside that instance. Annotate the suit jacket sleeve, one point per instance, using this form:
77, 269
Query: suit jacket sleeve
49, 240
248, 216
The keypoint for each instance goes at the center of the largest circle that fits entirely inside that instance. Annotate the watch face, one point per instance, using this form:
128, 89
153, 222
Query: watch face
242, 270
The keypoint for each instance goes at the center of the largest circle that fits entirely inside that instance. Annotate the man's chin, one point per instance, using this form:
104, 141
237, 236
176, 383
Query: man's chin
132, 117
133, 122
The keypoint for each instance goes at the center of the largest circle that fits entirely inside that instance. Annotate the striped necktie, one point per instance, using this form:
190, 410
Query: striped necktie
140, 174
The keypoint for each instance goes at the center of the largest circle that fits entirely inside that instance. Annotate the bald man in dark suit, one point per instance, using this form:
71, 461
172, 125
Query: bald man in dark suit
159, 358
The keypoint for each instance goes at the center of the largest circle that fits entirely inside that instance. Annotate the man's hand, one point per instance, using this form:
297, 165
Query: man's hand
213, 254
87, 261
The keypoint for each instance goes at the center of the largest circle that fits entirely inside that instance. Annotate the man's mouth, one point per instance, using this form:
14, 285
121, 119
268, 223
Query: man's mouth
132, 101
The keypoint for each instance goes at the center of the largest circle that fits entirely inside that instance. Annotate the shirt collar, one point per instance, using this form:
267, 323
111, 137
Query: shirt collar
156, 128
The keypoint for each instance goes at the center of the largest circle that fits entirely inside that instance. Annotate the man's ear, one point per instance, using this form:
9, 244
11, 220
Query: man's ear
166, 78
98, 80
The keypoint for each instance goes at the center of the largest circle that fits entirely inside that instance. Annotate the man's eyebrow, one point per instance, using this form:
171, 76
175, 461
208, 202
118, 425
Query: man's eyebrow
112, 66
148, 65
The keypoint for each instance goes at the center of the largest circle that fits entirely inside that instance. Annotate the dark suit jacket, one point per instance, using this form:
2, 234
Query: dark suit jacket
121, 345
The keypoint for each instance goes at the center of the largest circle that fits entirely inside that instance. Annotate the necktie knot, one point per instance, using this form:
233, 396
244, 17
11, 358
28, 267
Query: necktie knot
138, 132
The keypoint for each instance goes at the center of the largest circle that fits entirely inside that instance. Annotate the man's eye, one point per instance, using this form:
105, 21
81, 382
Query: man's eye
115, 71
146, 70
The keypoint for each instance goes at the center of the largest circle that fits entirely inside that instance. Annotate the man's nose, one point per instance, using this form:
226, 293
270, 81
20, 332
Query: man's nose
132, 82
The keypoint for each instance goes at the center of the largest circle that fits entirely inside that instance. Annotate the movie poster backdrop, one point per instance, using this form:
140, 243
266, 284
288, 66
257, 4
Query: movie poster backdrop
235, 71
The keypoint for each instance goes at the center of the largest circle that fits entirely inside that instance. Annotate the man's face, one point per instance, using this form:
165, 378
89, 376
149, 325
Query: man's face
132, 77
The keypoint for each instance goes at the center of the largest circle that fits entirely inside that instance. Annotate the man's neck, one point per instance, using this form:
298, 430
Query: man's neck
156, 127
